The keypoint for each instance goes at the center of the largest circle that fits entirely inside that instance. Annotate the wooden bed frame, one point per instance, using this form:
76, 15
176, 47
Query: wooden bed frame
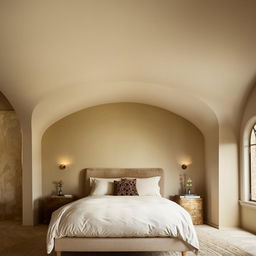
121, 244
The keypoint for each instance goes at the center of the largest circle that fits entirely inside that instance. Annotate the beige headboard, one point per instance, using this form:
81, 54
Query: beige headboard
123, 172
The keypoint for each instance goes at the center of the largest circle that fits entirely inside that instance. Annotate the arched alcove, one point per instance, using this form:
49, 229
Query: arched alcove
123, 135
10, 162
71, 99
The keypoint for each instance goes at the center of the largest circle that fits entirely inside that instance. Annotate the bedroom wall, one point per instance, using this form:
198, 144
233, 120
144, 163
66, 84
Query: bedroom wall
122, 135
10, 162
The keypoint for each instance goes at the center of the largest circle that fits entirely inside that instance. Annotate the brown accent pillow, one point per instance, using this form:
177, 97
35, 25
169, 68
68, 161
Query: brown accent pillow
125, 187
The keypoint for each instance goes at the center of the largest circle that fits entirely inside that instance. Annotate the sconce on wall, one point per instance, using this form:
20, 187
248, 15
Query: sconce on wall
62, 166
184, 166
63, 163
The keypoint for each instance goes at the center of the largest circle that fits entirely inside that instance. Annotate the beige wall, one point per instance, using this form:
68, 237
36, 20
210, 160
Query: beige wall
122, 135
228, 178
248, 214
10, 166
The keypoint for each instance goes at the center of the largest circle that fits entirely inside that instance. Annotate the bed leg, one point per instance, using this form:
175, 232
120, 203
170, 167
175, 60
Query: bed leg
184, 253
58, 253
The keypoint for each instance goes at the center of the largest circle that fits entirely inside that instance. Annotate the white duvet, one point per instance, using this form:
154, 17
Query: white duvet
122, 216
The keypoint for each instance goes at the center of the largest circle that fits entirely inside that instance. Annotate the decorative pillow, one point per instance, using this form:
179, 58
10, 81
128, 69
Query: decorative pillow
125, 187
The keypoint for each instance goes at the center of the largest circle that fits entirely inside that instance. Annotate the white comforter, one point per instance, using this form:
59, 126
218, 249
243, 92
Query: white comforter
122, 216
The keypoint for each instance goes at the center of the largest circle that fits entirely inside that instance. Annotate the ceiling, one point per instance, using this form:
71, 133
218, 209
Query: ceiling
64, 49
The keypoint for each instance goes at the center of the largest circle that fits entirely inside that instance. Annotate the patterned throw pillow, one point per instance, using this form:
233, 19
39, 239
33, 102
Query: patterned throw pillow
125, 187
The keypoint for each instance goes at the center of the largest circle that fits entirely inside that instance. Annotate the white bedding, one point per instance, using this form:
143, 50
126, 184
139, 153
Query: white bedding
122, 216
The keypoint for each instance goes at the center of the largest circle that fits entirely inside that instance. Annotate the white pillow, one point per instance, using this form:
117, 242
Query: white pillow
148, 186
92, 180
102, 186
145, 186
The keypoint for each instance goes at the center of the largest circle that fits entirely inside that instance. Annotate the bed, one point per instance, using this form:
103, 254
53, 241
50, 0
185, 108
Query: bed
86, 237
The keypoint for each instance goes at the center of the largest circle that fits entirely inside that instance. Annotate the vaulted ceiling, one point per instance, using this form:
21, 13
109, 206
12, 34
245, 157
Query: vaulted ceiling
195, 58
62, 50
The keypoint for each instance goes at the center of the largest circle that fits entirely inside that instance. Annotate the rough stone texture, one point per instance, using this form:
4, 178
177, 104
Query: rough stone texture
10, 166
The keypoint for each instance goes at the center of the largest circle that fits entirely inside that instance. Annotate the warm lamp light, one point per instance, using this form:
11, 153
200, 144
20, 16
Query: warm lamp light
184, 161
63, 163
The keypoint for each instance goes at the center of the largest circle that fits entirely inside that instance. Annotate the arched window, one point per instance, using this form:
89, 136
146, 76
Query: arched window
253, 164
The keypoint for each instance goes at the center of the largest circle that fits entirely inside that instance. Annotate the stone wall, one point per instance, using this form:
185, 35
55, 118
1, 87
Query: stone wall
10, 166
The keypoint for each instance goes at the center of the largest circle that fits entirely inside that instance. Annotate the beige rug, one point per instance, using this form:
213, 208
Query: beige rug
16, 240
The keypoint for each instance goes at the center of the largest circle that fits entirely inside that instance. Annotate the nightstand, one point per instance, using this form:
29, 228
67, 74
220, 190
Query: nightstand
194, 206
52, 203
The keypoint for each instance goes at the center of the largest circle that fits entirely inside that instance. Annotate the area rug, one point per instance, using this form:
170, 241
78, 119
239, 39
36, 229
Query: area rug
209, 246
16, 240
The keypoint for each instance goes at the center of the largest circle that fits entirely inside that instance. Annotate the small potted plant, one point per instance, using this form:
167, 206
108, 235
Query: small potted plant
188, 186
59, 188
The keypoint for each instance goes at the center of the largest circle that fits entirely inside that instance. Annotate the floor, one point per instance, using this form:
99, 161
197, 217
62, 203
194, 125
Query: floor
19, 240
238, 237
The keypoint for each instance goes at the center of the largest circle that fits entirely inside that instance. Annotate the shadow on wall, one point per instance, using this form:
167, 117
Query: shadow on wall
82, 183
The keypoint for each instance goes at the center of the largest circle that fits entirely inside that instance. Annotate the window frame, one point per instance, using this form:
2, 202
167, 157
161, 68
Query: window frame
252, 130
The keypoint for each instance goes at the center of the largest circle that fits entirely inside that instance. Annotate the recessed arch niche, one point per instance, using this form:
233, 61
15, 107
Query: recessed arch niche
122, 135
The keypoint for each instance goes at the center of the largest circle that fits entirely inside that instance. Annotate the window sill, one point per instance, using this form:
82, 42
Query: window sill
248, 204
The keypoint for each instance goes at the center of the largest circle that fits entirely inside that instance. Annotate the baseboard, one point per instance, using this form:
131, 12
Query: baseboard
212, 224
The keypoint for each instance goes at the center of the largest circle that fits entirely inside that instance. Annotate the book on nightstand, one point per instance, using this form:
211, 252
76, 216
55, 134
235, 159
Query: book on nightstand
64, 196
189, 196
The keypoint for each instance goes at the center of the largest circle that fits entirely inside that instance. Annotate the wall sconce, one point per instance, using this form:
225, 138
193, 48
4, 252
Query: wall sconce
62, 166
63, 163
184, 166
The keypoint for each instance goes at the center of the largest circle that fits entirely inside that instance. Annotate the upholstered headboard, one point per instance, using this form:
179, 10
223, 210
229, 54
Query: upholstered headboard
123, 172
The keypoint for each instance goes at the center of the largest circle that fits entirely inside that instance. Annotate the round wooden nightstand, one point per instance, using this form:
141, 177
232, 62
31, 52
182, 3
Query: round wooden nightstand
194, 206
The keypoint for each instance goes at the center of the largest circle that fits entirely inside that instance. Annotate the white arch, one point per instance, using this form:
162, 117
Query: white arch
71, 99
60, 103
244, 174
248, 120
